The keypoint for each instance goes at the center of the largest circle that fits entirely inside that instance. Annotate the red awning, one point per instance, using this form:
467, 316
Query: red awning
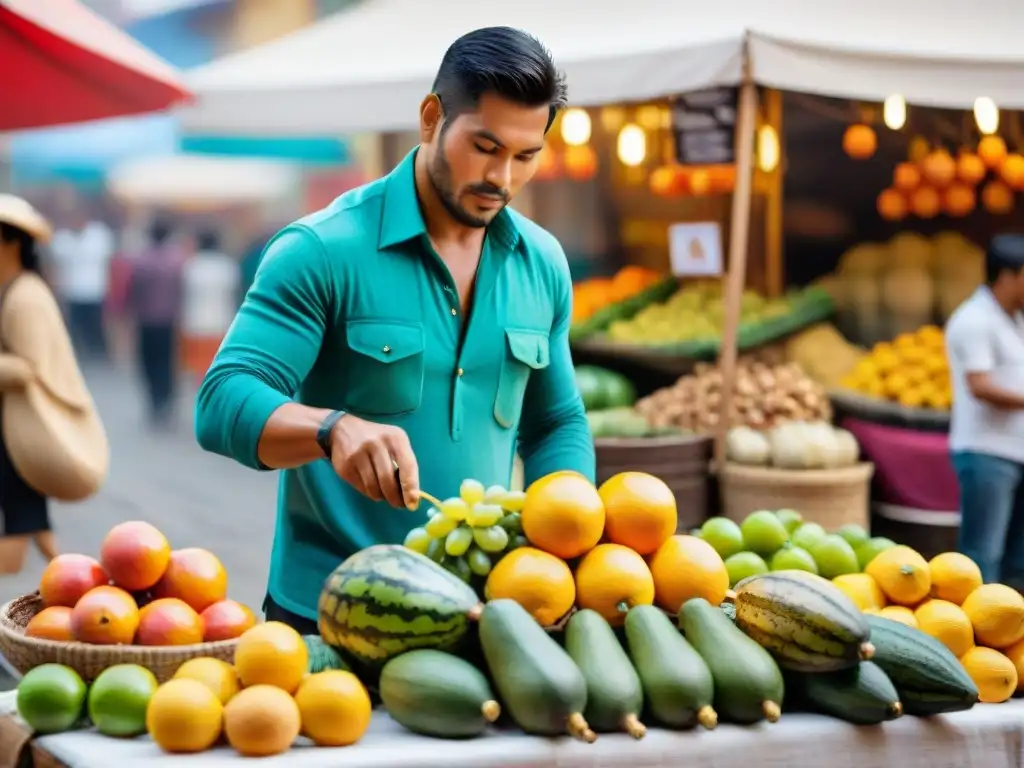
61, 63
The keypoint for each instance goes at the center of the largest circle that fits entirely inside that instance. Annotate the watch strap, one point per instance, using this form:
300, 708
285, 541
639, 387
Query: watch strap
323, 434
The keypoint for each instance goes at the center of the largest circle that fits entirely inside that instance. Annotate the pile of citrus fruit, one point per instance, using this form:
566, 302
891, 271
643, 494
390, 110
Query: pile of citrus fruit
259, 705
608, 549
982, 624
139, 591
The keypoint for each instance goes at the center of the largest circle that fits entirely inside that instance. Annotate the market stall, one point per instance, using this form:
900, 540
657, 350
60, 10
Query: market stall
72, 65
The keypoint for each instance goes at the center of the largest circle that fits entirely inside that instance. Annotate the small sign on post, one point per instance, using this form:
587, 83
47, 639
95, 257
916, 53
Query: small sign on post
704, 127
695, 249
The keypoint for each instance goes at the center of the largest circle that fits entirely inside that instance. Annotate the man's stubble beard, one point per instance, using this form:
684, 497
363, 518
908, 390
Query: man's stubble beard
440, 174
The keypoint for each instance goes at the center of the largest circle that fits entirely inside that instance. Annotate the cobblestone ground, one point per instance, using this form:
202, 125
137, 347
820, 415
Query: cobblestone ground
195, 498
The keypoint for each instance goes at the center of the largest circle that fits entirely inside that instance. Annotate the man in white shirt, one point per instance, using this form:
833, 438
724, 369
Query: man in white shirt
985, 345
82, 257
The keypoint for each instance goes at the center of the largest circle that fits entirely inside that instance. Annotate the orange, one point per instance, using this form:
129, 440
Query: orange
997, 613
954, 576
335, 708
53, 623
899, 613
219, 676
993, 673
195, 576
685, 567
611, 579
169, 621
947, 623
262, 721
563, 514
271, 654
640, 511
184, 716
105, 616
135, 554
1015, 653
539, 582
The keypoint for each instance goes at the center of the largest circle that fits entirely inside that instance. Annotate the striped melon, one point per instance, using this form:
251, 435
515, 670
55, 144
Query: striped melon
386, 600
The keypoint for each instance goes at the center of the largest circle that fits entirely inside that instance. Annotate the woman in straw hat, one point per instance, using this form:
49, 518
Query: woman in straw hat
52, 444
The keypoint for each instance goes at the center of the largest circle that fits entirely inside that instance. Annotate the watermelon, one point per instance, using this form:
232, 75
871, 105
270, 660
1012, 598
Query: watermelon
602, 389
386, 600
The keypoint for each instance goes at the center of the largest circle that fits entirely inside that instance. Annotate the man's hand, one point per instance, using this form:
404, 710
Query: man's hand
365, 455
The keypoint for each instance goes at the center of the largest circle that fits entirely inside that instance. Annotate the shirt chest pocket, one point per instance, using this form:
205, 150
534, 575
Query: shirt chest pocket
526, 351
384, 367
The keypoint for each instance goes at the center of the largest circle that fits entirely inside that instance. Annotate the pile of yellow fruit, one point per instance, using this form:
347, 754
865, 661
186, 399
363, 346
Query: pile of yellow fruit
911, 370
261, 703
982, 624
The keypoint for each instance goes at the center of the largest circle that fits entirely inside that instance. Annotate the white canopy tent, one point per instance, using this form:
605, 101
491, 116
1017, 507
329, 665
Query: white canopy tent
366, 69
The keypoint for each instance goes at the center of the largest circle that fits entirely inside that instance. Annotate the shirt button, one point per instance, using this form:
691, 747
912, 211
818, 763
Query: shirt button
460, 372
454, 312
386, 349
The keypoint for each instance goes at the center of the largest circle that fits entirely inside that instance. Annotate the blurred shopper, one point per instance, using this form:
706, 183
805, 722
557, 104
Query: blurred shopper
155, 295
211, 279
51, 442
985, 341
82, 255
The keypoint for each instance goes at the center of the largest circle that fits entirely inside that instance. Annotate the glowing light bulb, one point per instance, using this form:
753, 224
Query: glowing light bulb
632, 145
768, 151
894, 112
576, 127
986, 115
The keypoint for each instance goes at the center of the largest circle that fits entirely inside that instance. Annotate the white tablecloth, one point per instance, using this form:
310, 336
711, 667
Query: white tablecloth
988, 736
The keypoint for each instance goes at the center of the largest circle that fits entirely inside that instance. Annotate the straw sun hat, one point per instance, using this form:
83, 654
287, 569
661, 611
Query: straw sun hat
20, 213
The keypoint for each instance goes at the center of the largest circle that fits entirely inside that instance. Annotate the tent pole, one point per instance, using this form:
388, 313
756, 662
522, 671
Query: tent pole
735, 279
773, 224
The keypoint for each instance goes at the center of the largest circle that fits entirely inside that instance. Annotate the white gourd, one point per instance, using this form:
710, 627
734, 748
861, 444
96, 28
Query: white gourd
820, 437
744, 445
847, 449
789, 446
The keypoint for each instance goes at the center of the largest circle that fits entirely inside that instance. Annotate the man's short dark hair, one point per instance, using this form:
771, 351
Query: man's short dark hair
160, 231
1005, 253
500, 60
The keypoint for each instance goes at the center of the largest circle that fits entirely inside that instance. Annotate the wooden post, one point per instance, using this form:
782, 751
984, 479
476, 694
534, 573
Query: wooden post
735, 279
775, 274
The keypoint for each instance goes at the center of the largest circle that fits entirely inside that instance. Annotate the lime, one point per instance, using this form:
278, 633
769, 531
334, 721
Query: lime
790, 518
807, 535
834, 556
855, 535
50, 698
744, 564
763, 532
793, 559
118, 699
871, 548
724, 535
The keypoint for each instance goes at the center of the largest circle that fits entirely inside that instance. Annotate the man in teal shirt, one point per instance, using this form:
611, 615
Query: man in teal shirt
416, 322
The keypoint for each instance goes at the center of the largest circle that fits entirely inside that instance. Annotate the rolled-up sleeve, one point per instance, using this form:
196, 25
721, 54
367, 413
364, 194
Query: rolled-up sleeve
270, 347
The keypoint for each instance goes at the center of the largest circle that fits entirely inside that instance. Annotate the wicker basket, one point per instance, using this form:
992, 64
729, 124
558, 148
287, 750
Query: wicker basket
24, 653
830, 497
680, 460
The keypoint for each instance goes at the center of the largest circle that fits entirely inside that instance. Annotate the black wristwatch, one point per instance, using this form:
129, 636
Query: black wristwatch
323, 434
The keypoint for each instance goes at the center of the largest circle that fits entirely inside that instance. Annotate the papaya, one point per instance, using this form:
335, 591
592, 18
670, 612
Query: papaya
542, 688
748, 683
676, 682
615, 698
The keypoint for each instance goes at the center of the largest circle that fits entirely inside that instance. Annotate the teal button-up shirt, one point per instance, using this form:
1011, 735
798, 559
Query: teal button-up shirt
353, 309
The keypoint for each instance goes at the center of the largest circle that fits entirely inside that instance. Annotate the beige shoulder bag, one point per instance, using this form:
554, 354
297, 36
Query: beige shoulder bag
52, 431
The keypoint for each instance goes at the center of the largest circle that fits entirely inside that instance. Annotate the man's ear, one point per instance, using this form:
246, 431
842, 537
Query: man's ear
431, 117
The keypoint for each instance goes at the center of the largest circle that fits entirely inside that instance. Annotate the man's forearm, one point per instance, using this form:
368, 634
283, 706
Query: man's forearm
565, 445
289, 436
998, 396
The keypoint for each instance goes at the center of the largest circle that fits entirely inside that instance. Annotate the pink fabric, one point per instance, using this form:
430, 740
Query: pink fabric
912, 469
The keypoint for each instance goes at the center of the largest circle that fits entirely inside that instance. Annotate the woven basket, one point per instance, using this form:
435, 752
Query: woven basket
830, 497
24, 653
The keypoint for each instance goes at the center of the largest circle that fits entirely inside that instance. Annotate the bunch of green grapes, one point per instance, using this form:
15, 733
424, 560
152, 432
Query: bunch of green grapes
470, 532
